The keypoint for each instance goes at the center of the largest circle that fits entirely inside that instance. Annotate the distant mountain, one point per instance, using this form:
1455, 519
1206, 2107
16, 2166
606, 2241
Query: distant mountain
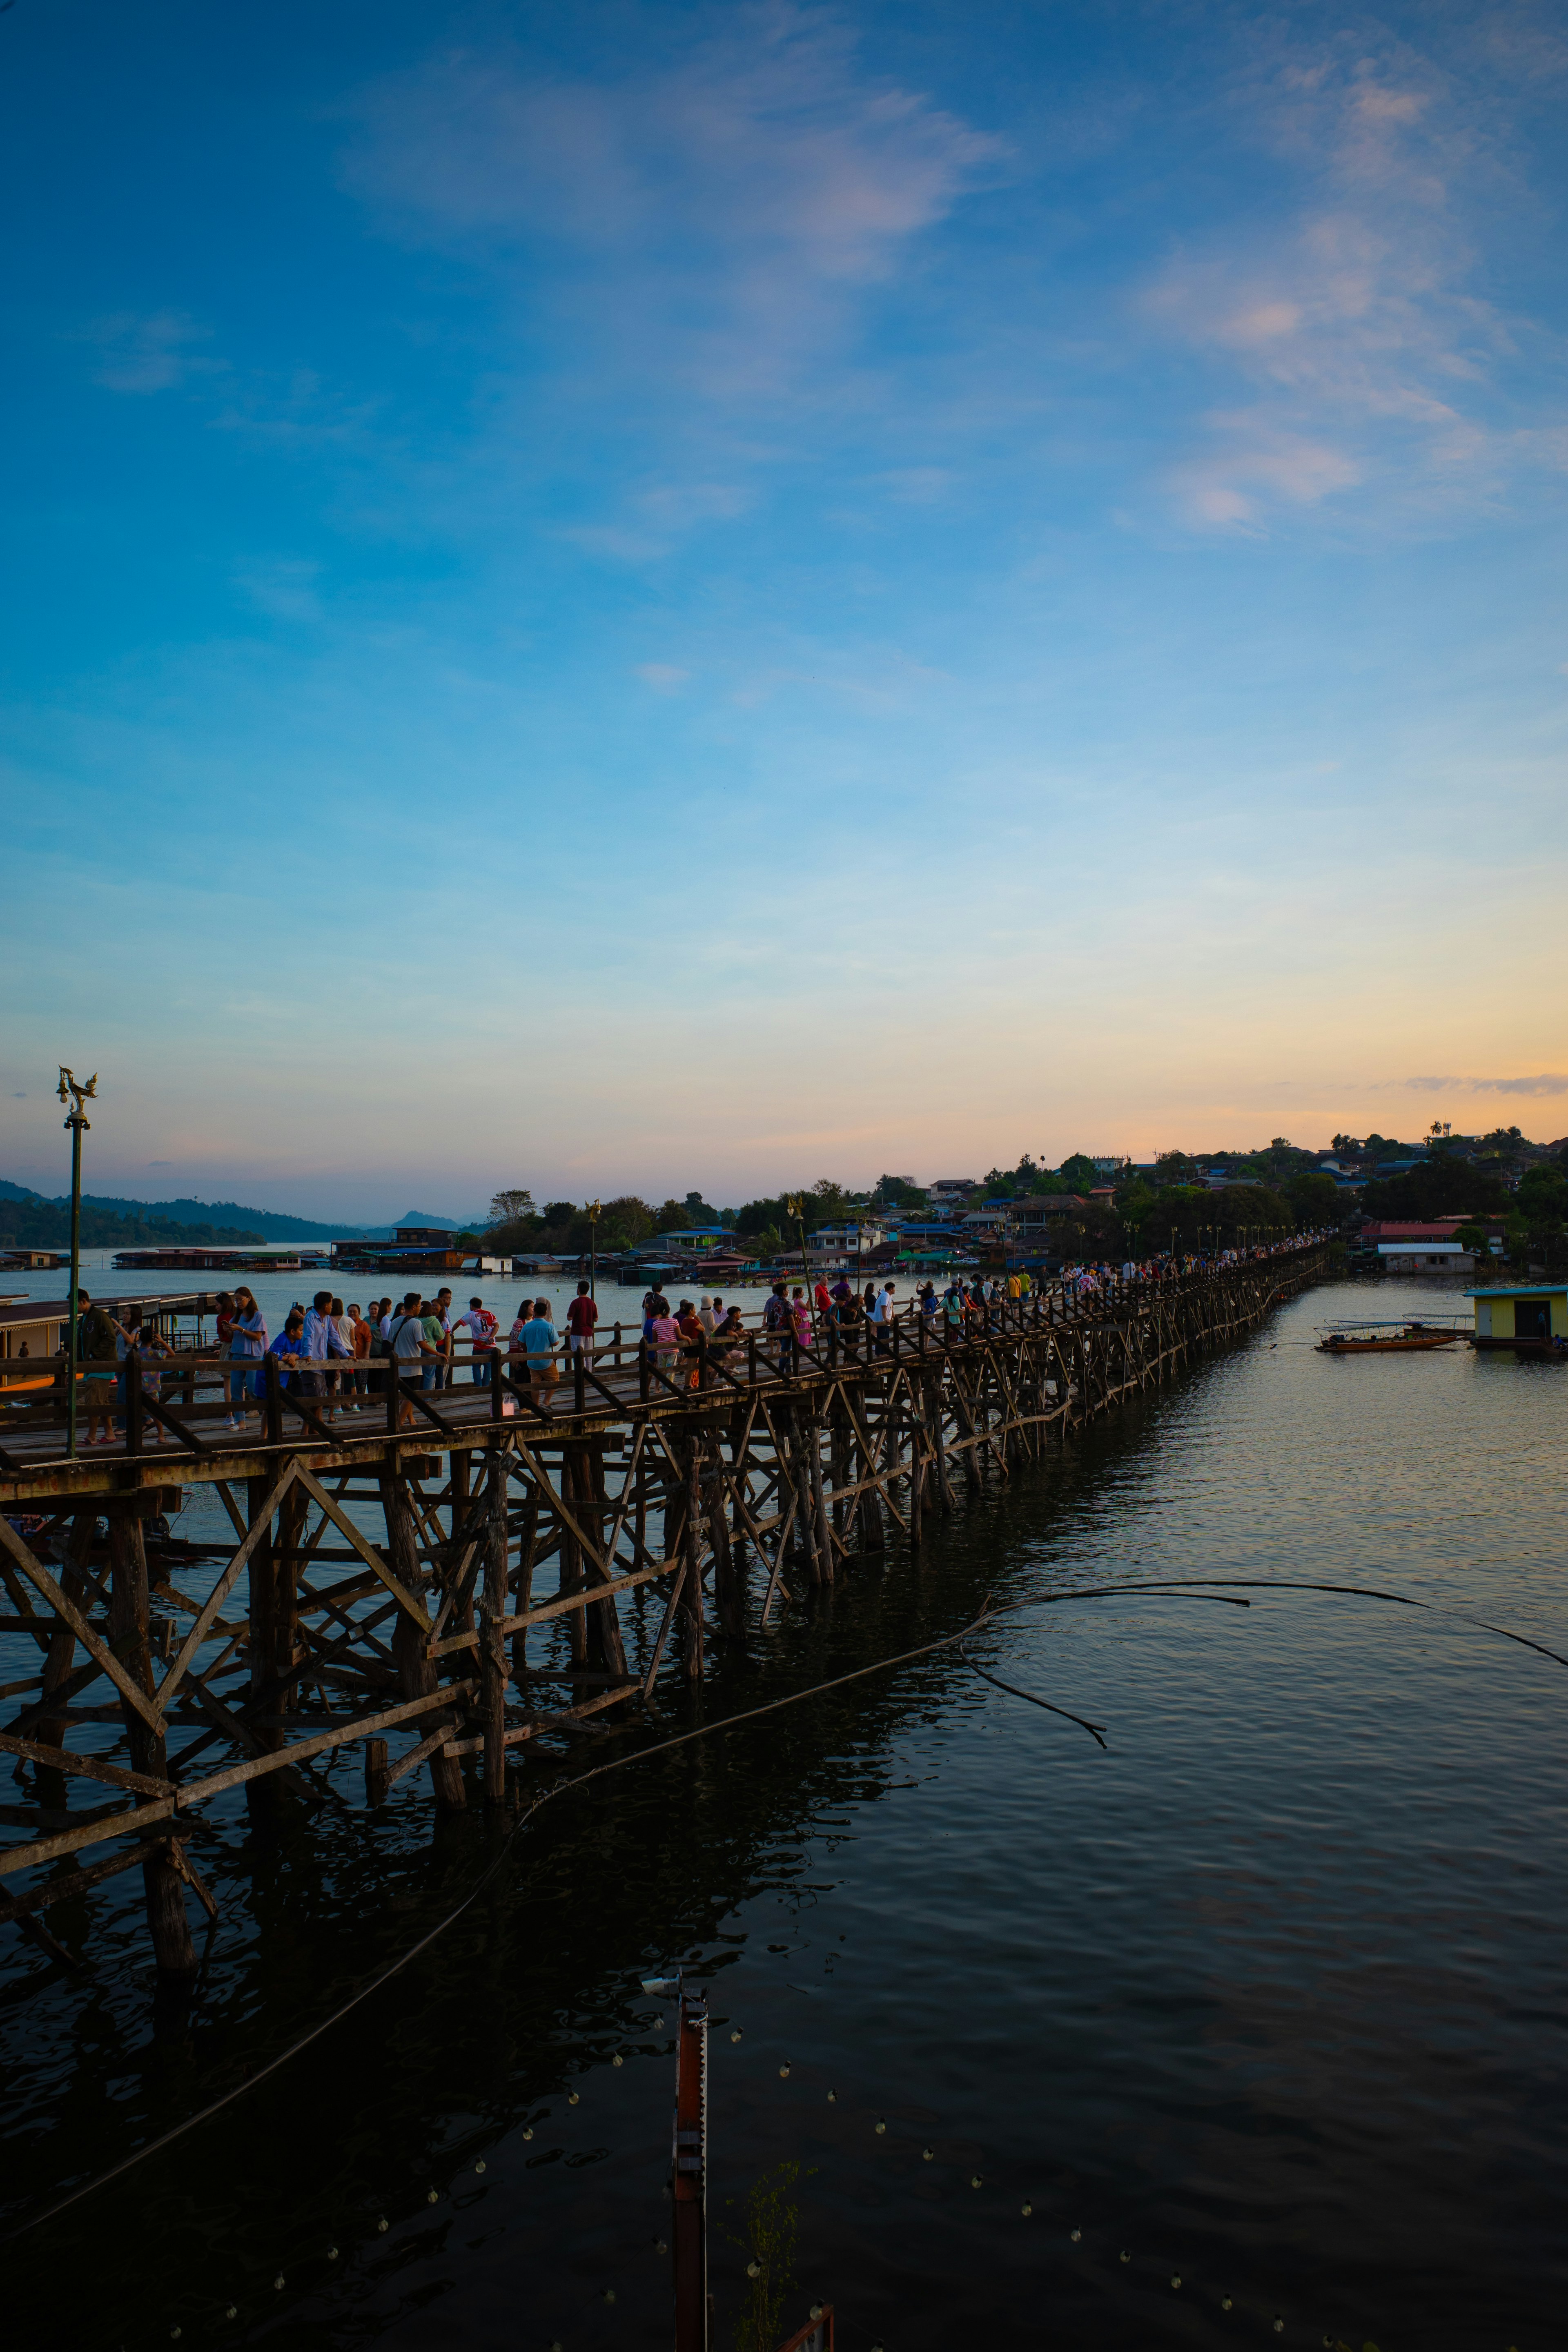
46, 1225
212, 1217
34, 1220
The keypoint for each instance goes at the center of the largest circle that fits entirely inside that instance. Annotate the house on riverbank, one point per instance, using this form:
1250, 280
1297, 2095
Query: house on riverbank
1417, 1246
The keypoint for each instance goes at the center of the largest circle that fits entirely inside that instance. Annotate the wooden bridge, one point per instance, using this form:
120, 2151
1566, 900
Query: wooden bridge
398, 1547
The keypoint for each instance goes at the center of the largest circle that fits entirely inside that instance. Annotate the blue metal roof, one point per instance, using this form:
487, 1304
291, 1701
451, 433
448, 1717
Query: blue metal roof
1523, 1290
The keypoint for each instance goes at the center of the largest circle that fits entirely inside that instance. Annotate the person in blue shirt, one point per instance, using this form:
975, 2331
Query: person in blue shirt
540, 1339
289, 1348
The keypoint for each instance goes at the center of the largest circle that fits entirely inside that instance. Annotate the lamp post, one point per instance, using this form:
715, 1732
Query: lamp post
78, 1123
593, 1212
794, 1207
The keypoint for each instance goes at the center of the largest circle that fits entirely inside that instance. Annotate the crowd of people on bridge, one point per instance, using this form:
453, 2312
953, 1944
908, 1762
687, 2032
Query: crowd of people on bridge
328, 1351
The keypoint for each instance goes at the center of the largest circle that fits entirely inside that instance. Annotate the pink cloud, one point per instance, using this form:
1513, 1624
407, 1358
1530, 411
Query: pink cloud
1253, 466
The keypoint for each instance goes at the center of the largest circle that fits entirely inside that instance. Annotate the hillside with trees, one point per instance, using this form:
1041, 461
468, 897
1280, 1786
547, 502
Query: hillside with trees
46, 1225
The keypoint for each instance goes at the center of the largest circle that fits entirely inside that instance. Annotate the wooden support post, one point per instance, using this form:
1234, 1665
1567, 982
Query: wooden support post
944, 1495
572, 1564
461, 1483
272, 1400
135, 1420
62, 1643
873, 1521
692, 1587
261, 1796
129, 1632
417, 1676
892, 1434
969, 1422
740, 1456
590, 1508
917, 1458
376, 1768
792, 1424
527, 1545
729, 1589
492, 1645
291, 1516
819, 1503
839, 1457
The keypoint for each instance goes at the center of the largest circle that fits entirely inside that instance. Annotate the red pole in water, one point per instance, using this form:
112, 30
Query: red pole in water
689, 2184
689, 2167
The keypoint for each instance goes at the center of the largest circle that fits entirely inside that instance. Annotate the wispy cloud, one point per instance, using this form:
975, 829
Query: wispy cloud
723, 210
1545, 1082
662, 677
284, 589
1254, 464
149, 353
1349, 313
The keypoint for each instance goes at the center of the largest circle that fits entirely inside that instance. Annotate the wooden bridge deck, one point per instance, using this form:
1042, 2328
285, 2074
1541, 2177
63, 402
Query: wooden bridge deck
393, 1556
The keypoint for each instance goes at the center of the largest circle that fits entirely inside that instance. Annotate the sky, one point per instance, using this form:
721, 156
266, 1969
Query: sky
631, 598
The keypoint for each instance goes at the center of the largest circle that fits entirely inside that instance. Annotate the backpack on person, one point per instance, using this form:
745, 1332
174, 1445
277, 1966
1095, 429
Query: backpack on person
387, 1348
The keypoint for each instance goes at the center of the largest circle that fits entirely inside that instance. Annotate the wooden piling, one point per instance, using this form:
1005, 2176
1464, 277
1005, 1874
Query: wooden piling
492, 1645
417, 1676
128, 1625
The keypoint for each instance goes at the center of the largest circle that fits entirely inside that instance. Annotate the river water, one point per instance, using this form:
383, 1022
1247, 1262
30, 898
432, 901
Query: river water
1264, 1997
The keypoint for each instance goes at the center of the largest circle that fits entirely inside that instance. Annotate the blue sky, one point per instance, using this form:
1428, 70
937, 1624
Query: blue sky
622, 598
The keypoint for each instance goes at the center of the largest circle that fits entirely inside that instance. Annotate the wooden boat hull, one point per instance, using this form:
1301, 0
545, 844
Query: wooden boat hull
1413, 1340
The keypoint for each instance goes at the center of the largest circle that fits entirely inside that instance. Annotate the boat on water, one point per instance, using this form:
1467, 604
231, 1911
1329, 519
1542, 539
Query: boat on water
1392, 1334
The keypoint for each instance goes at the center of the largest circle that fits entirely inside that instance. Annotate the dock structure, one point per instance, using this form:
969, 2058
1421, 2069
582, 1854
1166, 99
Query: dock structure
393, 1550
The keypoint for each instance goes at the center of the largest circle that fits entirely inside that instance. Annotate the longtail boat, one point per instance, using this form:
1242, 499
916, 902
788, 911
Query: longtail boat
1390, 1334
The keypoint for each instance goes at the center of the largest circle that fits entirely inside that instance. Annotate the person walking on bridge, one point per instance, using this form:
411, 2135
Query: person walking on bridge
692, 1336
319, 1340
405, 1343
98, 1335
778, 1325
581, 1320
727, 1334
482, 1327
800, 1317
247, 1346
666, 1332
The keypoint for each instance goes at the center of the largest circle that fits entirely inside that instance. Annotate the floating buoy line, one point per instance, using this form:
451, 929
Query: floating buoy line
223, 2316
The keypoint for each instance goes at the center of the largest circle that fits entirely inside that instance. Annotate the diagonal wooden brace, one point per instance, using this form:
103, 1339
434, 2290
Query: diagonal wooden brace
69, 1615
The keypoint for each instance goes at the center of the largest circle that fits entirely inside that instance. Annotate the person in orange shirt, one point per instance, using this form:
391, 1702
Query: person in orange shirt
361, 1336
